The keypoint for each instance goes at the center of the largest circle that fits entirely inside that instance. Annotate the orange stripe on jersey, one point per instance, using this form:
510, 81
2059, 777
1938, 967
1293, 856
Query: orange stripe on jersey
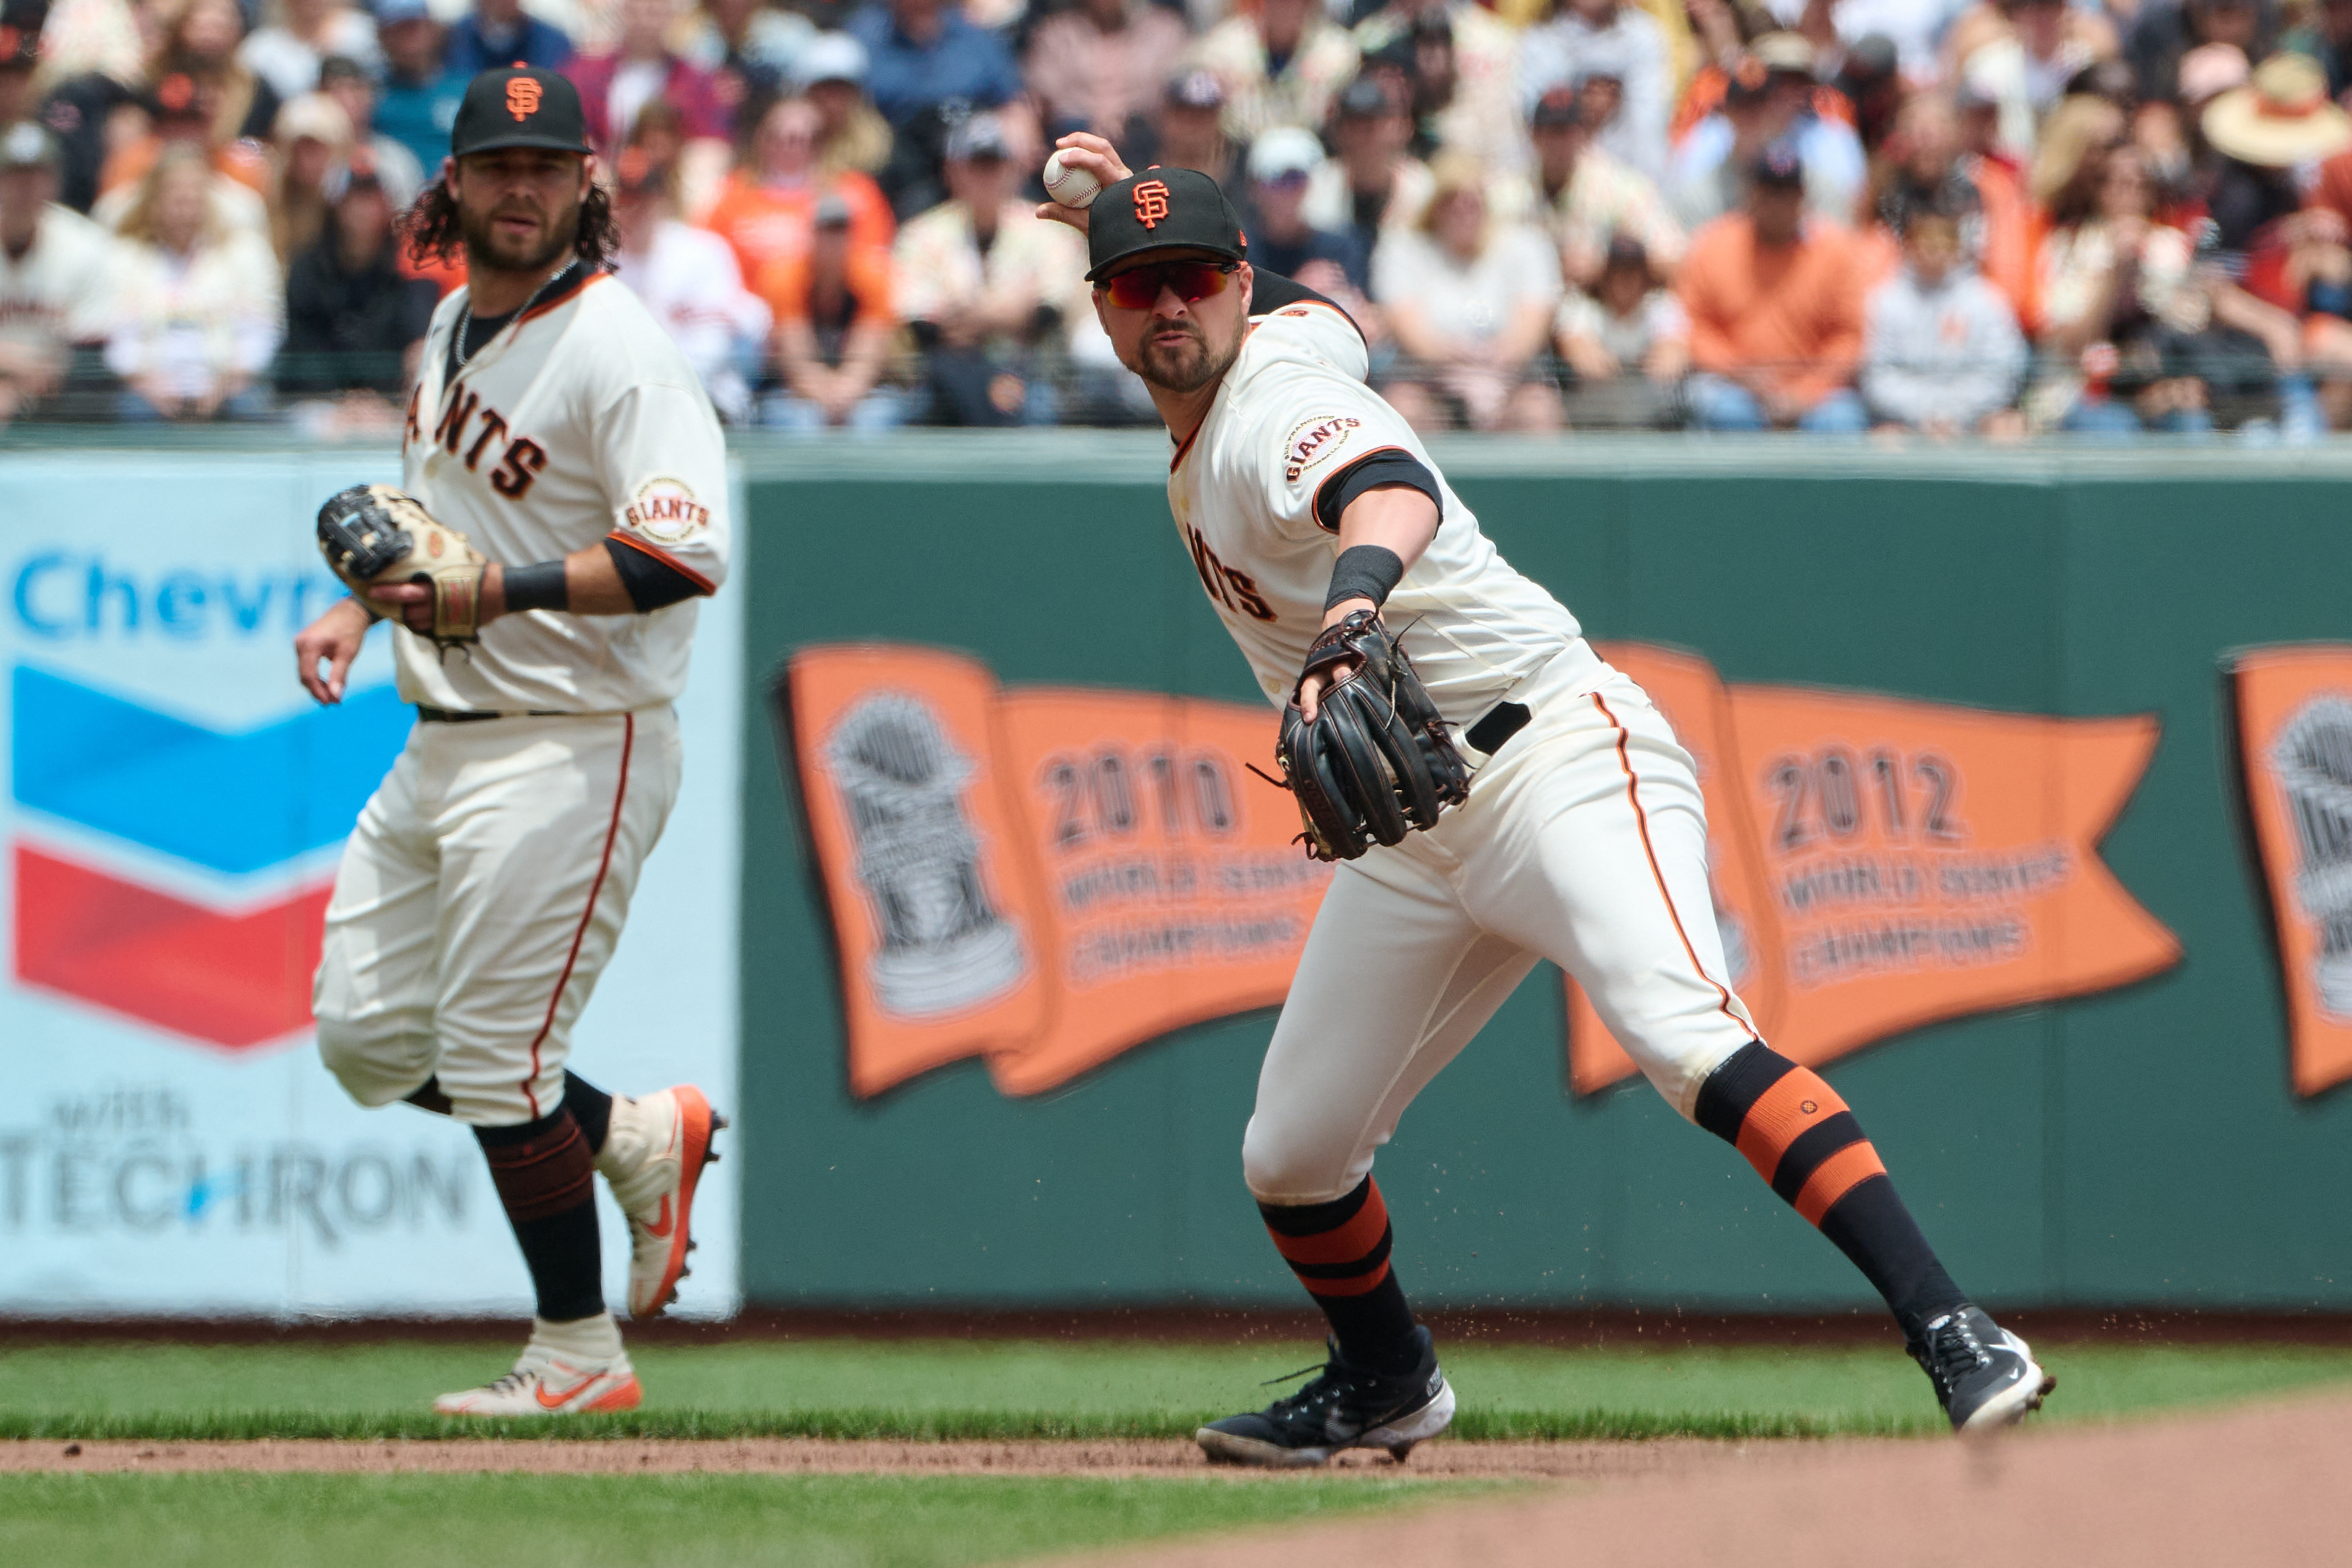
1838, 1175
1800, 1102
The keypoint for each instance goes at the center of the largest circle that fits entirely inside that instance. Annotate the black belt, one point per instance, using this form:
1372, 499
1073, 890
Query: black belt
1498, 725
469, 715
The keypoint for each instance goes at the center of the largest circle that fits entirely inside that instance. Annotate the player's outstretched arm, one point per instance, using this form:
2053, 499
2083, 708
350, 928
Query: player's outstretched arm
1085, 150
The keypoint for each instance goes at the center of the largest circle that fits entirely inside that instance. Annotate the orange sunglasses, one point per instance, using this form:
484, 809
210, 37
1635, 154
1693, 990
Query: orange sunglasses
1190, 281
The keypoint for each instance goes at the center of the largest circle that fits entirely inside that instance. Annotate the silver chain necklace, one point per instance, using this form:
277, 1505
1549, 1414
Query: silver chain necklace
466, 311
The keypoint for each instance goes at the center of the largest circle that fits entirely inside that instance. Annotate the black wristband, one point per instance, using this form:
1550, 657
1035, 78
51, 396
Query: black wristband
1365, 571
540, 587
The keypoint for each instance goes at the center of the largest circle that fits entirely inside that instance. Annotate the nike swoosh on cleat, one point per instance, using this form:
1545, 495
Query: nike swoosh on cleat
660, 1227
555, 1401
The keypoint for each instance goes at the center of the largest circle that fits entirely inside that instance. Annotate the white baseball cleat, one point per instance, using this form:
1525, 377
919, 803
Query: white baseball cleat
546, 1383
653, 1158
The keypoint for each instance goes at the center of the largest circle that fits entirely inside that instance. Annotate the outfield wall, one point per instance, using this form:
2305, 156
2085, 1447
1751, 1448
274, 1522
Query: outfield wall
1004, 972
2136, 1139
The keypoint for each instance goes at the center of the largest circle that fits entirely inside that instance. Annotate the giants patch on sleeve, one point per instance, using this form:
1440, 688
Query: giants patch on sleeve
665, 512
1312, 441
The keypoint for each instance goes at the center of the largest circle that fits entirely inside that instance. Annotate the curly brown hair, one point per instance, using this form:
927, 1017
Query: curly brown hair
431, 232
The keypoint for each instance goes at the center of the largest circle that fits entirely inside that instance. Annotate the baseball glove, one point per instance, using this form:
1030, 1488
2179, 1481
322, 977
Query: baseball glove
1375, 763
372, 535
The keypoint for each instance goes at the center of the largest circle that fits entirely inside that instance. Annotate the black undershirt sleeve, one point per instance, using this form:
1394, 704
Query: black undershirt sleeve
1371, 472
652, 584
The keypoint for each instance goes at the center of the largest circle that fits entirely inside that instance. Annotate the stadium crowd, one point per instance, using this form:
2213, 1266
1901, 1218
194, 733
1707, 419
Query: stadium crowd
1956, 216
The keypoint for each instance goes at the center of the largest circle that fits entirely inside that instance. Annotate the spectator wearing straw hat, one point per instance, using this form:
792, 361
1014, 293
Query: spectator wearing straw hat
2272, 257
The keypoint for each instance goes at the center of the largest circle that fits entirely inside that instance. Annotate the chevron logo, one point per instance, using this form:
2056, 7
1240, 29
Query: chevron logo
174, 800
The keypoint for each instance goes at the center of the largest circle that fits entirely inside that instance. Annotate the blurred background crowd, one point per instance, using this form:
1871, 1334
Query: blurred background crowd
1991, 217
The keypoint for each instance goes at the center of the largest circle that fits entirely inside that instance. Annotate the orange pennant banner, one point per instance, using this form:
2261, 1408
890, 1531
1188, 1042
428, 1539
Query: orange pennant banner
1043, 877
2295, 752
1880, 863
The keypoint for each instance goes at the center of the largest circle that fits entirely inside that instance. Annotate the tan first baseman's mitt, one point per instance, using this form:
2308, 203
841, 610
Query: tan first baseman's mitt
374, 535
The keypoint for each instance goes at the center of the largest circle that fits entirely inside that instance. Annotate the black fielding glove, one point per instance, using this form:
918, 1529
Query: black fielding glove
1375, 763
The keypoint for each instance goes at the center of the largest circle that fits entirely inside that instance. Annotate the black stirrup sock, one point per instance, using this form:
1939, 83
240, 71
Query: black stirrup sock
1788, 1124
1340, 1251
546, 1180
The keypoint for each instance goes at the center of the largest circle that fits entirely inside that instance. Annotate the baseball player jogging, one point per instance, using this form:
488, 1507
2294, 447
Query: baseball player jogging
1495, 794
556, 431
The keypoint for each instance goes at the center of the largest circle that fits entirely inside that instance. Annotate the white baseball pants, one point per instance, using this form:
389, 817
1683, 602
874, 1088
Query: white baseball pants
479, 898
1583, 842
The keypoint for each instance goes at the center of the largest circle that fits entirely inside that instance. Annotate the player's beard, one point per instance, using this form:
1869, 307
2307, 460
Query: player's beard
1188, 367
489, 249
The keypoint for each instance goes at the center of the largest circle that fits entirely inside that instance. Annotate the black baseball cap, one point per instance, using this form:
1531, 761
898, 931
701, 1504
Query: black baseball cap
1161, 209
520, 106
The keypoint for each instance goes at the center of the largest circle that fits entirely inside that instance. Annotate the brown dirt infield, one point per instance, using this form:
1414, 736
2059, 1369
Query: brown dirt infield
2248, 1487
810, 1455
2244, 1485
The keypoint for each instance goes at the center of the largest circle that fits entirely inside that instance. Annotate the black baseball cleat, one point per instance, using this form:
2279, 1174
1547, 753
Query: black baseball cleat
1344, 1408
1984, 1377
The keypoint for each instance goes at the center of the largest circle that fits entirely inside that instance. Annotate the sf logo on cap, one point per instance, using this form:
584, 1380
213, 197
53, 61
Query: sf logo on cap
1150, 202
522, 97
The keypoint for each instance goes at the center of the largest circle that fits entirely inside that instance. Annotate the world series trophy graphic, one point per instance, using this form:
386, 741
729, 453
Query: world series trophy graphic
2313, 760
944, 947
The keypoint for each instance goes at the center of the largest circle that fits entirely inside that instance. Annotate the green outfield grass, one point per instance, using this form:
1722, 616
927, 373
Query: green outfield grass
672, 1522
1034, 1389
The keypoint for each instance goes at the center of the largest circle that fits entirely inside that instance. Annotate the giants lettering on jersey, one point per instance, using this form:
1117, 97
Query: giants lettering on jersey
1313, 440
462, 409
1234, 589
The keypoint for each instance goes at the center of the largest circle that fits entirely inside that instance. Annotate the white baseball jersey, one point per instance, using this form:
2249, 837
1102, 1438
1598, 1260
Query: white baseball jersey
1583, 839
579, 419
1293, 412
62, 290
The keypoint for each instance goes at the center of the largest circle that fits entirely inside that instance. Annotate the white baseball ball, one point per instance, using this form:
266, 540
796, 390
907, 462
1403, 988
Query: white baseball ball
1069, 184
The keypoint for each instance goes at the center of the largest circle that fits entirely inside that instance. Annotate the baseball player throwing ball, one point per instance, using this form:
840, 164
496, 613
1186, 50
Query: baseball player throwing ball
564, 505
1494, 794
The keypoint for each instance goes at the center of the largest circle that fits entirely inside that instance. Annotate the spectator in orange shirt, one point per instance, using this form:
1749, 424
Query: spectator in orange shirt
834, 328
766, 210
1775, 307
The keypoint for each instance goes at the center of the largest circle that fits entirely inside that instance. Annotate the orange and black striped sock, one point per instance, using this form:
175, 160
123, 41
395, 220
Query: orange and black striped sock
546, 1179
1788, 1124
1340, 1251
